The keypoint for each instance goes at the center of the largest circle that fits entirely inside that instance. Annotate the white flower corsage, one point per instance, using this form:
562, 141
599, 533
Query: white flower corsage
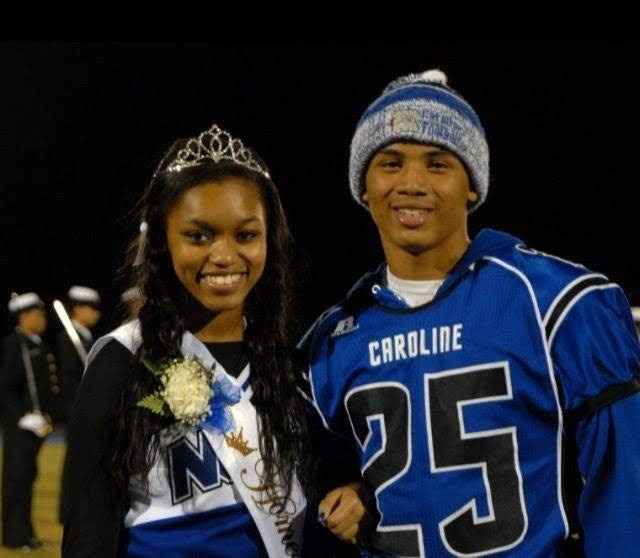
189, 393
185, 392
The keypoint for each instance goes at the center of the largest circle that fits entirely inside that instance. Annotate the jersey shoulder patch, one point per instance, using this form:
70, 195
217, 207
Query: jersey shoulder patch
344, 326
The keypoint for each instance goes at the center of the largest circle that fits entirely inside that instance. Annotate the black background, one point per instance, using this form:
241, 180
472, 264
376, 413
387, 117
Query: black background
82, 127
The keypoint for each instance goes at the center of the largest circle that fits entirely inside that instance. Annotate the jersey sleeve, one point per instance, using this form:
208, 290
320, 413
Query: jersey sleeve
609, 462
595, 351
596, 356
332, 445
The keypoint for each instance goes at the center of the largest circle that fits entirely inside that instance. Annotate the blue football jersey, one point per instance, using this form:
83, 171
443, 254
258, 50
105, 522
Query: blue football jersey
468, 412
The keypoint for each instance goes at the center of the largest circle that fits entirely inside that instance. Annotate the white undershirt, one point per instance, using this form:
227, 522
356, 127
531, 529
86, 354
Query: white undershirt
415, 293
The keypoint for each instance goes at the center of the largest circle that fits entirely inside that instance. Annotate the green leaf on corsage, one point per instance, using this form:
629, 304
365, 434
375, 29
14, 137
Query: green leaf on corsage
153, 402
154, 369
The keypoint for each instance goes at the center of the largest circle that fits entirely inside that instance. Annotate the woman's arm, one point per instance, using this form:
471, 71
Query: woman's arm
93, 507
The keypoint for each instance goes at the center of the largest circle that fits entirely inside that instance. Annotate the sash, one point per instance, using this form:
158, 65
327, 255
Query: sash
239, 453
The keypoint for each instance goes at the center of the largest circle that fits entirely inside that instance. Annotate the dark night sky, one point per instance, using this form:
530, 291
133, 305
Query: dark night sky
82, 127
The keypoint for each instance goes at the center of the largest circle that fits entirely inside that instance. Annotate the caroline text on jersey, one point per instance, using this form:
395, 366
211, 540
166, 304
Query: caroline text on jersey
421, 342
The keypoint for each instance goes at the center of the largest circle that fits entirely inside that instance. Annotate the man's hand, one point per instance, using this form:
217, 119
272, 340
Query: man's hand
341, 512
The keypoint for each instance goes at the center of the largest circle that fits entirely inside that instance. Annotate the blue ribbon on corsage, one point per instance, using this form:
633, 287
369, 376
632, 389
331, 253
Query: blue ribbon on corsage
225, 394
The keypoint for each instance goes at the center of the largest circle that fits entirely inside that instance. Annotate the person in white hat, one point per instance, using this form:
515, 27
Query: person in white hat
84, 311
24, 372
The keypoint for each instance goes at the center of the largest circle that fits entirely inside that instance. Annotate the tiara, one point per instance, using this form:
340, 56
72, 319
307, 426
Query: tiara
214, 145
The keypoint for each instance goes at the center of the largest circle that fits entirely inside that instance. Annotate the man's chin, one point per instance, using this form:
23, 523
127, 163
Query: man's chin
416, 249
414, 246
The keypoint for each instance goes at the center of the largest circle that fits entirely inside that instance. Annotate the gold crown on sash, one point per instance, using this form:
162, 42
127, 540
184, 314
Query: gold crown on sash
238, 443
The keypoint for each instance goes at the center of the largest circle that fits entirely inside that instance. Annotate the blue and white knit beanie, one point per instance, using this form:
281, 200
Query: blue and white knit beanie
422, 108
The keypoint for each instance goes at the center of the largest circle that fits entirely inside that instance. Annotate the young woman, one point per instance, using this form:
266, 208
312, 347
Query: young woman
188, 436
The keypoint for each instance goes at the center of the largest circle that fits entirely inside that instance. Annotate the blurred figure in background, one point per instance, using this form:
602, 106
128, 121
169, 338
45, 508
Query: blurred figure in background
84, 311
131, 303
73, 346
24, 370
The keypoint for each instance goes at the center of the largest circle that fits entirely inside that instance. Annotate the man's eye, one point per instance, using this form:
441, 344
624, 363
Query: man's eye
390, 164
438, 165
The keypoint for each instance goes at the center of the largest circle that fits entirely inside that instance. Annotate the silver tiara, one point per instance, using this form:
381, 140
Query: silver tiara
215, 145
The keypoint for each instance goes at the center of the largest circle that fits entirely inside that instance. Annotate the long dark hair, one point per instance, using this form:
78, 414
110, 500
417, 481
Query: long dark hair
268, 335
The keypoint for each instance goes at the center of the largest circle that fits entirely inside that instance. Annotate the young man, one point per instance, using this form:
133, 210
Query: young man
490, 390
24, 368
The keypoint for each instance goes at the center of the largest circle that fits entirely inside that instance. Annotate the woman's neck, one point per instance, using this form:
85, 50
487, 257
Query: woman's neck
225, 326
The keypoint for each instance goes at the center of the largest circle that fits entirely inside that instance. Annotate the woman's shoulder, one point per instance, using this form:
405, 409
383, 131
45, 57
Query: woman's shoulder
128, 336
111, 353
109, 368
